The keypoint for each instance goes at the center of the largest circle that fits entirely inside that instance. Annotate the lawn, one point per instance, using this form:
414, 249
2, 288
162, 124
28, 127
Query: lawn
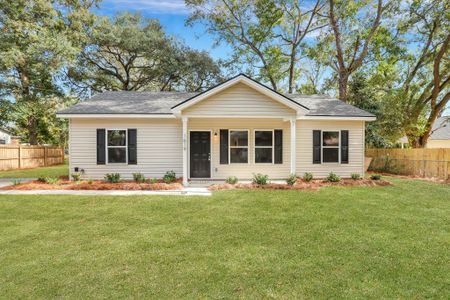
53, 171
360, 242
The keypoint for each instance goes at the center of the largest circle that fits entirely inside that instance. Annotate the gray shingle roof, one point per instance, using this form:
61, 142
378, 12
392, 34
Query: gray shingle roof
162, 102
441, 129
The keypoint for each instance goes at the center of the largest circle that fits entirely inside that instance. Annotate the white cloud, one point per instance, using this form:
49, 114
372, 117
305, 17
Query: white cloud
151, 6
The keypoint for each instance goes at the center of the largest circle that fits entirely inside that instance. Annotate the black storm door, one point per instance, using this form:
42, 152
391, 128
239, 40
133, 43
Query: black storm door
200, 154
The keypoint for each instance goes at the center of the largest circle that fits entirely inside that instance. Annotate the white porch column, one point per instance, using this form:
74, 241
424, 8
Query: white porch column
293, 145
185, 150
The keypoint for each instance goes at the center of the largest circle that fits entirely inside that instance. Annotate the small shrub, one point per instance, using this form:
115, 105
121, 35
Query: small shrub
308, 177
51, 180
332, 177
375, 176
170, 177
42, 179
292, 179
76, 176
16, 182
153, 180
260, 178
138, 177
355, 176
90, 181
112, 177
232, 180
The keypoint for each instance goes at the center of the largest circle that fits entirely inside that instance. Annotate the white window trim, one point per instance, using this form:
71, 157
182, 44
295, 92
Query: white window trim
330, 147
107, 146
271, 147
235, 147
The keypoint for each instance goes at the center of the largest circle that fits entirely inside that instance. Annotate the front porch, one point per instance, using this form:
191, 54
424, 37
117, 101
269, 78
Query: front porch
252, 147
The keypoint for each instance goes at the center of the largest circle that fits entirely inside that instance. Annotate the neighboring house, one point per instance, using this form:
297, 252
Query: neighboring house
237, 128
5, 137
440, 134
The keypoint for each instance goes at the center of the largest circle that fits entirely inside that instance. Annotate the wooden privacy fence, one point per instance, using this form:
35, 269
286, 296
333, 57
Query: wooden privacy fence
24, 157
420, 162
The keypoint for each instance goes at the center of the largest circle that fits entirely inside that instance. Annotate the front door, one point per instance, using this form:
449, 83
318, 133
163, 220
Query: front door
200, 154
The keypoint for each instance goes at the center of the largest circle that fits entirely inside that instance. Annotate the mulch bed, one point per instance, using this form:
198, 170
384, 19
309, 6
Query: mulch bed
313, 185
414, 177
65, 184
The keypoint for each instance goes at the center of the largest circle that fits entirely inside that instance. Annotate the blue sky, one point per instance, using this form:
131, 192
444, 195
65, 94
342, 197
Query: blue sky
172, 14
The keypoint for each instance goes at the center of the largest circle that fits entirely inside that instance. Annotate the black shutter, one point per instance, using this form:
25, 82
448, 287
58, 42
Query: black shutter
132, 146
101, 146
317, 147
344, 146
223, 146
278, 146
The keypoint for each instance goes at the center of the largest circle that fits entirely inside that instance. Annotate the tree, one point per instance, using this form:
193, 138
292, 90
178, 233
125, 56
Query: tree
133, 53
36, 39
266, 35
353, 25
425, 89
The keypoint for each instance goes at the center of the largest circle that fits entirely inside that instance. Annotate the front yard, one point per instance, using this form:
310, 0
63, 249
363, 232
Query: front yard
348, 242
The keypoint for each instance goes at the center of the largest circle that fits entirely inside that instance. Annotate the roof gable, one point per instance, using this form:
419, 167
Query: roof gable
240, 79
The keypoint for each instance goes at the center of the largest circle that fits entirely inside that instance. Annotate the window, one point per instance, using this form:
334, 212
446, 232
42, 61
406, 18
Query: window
238, 146
263, 146
330, 146
117, 146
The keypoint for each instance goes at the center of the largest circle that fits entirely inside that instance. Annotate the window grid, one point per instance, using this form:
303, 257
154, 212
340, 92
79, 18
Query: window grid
338, 147
264, 147
108, 146
237, 147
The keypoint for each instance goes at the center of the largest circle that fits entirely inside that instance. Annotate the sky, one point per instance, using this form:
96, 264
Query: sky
172, 15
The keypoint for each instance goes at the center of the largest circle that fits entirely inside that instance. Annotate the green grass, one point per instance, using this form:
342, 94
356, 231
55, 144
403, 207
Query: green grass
53, 171
379, 242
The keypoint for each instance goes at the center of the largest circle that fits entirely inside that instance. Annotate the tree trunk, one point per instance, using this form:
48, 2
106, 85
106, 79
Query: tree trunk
292, 72
343, 83
32, 130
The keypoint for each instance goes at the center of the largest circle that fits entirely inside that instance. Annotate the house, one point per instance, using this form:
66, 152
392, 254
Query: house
5, 137
440, 134
237, 128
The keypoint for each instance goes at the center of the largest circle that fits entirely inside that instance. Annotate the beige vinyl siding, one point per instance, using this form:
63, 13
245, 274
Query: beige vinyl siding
239, 100
305, 151
159, 147
245, 171
438, 144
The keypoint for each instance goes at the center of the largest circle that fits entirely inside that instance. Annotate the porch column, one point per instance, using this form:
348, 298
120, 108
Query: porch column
293, 145
185, 149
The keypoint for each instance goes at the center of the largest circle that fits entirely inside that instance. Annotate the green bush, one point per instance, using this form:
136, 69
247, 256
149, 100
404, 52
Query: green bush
292, 179
308, 177
112, 177
332, 177
170, 177
231, 180
90, 181
355, 176
260, 178
138, 177
375, 177
76, 176
16, 182
51, 180
42, 179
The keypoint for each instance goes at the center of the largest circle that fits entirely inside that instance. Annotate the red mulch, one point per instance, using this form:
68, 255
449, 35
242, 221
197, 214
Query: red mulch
95, 185
414, 177
313, 185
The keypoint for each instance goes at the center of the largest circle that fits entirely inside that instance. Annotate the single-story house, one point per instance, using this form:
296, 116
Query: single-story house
5, 136
237, 128
440, 134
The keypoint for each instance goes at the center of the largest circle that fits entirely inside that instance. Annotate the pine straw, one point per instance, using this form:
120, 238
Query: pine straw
95, 185
313, 185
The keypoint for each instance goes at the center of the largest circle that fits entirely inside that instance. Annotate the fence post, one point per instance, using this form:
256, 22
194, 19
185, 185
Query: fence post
20, 156
45, 156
